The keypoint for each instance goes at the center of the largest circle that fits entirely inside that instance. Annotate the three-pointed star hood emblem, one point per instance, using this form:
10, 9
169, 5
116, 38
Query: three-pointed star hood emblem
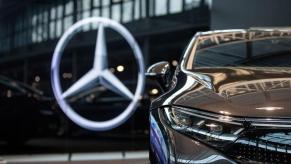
99, 74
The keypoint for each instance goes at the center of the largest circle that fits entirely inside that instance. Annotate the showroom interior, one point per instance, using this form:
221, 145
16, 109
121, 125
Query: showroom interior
35, 128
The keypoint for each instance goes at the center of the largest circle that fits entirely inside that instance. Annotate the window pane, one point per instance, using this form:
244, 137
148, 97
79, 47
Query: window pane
86, 4
86, 14
136, 9
127, 11
34, 20
209, 3
96, 3
176, 6
105, 12
161, 7
52, 30
59, 28
143, 9
68, 22
116, 9
60, 11
190, 4
34, 35
96, 12
45, 16
53, 13
105, 2
39, 34
69, 8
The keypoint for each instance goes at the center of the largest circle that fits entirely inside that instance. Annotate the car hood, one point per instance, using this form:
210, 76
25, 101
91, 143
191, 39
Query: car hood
244, 92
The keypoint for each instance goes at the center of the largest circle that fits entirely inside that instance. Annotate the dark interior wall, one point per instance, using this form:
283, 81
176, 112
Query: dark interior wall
230, 14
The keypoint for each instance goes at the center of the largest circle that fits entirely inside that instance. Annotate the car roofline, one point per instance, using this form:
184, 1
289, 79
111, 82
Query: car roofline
192, 47
255, 33
253, 29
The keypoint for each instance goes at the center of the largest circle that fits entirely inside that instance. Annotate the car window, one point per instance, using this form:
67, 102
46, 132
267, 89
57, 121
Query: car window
269, 52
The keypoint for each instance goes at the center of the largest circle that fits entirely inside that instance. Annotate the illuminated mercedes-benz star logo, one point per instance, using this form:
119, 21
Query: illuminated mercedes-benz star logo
99, 74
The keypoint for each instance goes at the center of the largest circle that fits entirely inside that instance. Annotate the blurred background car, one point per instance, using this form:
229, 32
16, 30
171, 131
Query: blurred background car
25, 112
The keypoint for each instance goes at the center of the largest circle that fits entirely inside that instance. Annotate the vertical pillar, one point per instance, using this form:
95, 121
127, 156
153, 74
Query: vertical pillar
184, 5
48, 8
132, 10
75, 11
145, 50
168, 6
147, 8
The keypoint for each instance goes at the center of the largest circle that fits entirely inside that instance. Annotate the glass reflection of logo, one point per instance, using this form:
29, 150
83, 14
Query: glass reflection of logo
99, 74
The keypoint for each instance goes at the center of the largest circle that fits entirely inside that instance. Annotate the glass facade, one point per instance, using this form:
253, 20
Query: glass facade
48, 20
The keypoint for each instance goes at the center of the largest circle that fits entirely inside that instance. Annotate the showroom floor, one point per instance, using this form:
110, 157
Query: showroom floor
137, 157
59, 146
76, 151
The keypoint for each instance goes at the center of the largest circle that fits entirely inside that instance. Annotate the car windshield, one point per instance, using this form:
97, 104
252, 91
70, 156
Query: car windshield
262, 50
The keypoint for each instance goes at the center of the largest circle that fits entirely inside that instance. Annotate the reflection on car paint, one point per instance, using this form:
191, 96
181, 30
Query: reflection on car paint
157, 141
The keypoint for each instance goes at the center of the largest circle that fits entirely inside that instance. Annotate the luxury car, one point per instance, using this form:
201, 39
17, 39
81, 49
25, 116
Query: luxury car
228, 101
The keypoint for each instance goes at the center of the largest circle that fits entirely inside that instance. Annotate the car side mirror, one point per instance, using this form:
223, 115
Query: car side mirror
161, 72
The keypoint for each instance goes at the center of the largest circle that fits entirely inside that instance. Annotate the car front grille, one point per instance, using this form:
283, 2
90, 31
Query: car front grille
274, 147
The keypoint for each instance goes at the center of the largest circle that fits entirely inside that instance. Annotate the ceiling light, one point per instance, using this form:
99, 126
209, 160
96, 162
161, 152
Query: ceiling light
154, 91
37, 78
120, 68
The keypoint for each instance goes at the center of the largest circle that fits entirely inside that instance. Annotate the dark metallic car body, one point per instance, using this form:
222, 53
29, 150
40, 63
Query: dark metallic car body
225, 114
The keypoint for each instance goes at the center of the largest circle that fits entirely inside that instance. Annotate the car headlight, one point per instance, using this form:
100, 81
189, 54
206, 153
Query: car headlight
213, 129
